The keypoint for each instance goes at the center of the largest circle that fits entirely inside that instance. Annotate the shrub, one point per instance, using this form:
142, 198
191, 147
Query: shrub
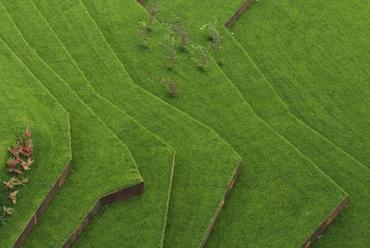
20, 161
143, 32
171, 86
177, 27
153, 11
169, 45
199, 56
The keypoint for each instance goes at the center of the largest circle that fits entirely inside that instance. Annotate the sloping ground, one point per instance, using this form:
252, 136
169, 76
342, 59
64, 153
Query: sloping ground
24, 103
205, 164
325, 45
154, 158
89, 180
278, 198
344, 169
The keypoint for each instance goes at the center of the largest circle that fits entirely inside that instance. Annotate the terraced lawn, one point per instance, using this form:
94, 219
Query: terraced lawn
328, 55
200, 152
254, 134
27, 104
155, 159
232, 118
70, 206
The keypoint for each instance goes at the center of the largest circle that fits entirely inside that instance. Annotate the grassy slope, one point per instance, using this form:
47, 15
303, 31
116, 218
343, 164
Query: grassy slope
88, 176
324, 58
256, 89
26, 103
261, 148
204, 162
154, 159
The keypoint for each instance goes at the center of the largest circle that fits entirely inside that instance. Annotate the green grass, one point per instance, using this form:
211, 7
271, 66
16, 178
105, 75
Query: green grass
26, 103
154, 158
292, 178
204, 162
95, 151
328, 57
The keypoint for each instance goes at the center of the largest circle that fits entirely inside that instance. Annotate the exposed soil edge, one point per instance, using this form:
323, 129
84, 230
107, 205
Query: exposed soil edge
232, 20
44, 205
325, 224
120, 195
212, 223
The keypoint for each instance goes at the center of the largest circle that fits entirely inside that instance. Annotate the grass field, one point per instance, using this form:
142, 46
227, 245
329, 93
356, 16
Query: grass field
256, 89
155, 162
327, 89
261, 147
197, 147
229, 115
25, 103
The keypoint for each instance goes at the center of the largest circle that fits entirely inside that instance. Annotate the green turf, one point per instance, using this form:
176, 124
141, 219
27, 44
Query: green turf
204, 162
25, 103
262, 149
154, 158
89, 180
256, 90
328, 57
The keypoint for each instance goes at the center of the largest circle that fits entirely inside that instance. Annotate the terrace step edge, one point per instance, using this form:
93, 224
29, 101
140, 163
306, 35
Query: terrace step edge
120, 195
221, 205
44, 205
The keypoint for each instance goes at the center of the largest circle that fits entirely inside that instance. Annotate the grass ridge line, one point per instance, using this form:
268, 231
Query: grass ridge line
169, 198
288, 109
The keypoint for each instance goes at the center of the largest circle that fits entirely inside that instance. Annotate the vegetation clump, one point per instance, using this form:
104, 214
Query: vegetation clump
169, 45
215, 39
199, 56
153, 11
171, 86
143, 31
19, 162
182, 36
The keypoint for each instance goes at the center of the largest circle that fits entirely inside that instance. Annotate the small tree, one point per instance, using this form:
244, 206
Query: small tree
143, 31
169, 44
215, 39
153, 11
200, 57
171, 86
182, 35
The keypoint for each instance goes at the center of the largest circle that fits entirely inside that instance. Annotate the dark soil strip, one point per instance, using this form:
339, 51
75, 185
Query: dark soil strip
120, 195
44, 205
238, 13
325, 225
221, 205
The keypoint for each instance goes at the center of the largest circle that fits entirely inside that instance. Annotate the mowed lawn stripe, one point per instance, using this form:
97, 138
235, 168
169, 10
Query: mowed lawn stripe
205, 164
25, 103
211, 98
244, 74
326, 90
87, 182
154, 158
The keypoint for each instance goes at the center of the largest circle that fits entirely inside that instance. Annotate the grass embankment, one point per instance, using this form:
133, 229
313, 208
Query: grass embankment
25, 103
95, 151
321, 76
258, 92
256, 89
154, 158
211, 98
205, 164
